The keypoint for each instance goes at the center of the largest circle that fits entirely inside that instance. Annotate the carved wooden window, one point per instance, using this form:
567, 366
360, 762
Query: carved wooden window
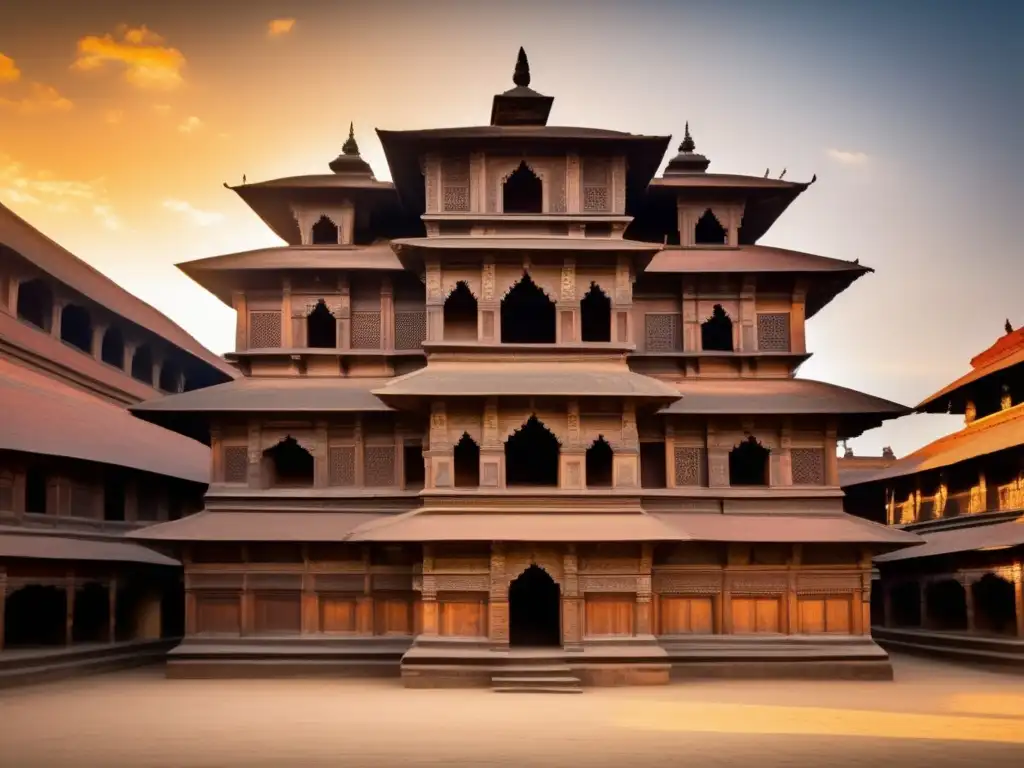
379, 466
556, 188
366, 330
264, 330
808, 466
773, 331
662, 332
689, 467
455, 185
596, 182
342, 466
410, 329
236, 464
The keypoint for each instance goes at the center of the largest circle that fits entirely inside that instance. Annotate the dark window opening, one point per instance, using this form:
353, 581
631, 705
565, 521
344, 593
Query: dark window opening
76, 327
142, 365
534, 609
906, 604
35, 491
172, 607
994, 609
748, 463
946, 603
652, 466
531, 456
170, 377
877, 605
112, 349
113, 498
91, 621
35, 304
599, 461
522, 192
467, 463
527, 315
709, 231
321, 328
596, 315
460, 314
716, 331
290, 465
415, 470
325, 232
34, 616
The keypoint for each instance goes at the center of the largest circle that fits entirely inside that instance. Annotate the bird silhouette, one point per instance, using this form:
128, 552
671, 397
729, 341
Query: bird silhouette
243, 178
766, 172
1007, 327
782, 175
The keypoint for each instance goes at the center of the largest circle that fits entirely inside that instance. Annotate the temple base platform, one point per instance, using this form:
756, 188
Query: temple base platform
37, 665
1002, 651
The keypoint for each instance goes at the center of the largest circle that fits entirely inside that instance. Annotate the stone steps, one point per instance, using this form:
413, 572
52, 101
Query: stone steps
535, 677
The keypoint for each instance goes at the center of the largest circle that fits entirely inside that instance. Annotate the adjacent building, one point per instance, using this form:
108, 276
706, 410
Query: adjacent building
78, 471
526, 400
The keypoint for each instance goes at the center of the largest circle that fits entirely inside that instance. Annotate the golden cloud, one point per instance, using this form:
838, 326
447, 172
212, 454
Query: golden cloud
190, 124
147, 62
41, 98
43, 189
8, 71
278, 27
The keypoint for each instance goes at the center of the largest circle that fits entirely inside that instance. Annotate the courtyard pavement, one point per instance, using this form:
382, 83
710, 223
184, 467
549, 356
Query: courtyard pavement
935, 714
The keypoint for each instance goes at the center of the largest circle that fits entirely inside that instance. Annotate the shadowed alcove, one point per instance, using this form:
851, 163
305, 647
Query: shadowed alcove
716, 331
460, 314
321, 328
112, 348
288, 465
35, 615
92, 614
142, 365
467, 463
709, 231
595, 315
527, 315
35, 303
534, 609
748, 463
994, 609
531, 456
946, 603
522, 192
76, 327
906, 604
599, 464
325, 232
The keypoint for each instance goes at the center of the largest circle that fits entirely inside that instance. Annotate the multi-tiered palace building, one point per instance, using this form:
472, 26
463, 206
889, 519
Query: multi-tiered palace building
525, 396
962, 592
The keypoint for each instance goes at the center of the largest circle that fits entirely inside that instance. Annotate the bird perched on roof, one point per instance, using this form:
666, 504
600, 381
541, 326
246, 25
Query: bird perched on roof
1007, 327
243, 178
783, 174
766, 172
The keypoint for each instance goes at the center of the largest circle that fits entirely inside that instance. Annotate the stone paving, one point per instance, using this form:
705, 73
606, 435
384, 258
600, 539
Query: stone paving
935, 715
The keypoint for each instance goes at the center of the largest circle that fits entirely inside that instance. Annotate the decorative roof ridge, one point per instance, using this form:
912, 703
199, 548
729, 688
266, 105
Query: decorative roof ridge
1004, 346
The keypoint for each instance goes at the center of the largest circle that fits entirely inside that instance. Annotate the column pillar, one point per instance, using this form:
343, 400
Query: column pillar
310, 599
9, 294
567, 329
644, 614
3, 600
492, 450
572, 602
969, 602
792, 615
344, 316
387, 314
886, 603
428, 593
56, 310
112, 610
241, 321
287, 340
129, 356
1018, 598
923, 599
96, 343
248, 606
364, 603
69, 601
497, 624
435, 301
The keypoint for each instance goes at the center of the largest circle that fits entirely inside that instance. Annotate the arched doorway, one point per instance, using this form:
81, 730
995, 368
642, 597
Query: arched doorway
534, 610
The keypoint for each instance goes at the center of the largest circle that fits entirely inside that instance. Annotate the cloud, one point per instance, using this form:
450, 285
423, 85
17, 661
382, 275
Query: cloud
8, 71
147, 62
161, 109
846, 157
44, 189
41, 98
190, 124
113, 116
279, 27
195, 215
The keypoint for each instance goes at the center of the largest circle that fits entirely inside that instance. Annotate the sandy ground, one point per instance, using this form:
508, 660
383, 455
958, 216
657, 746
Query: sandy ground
934, 715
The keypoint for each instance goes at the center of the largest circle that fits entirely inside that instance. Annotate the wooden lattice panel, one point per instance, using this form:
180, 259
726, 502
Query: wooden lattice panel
662, 332
556, 188
342, 466
689, 466
410, 329
366, 330
596, 177
773, 332
455, 185
264, 330
808, 466
236, 464
379, 465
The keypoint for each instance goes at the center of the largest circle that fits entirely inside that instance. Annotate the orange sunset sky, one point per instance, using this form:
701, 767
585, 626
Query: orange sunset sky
120, 120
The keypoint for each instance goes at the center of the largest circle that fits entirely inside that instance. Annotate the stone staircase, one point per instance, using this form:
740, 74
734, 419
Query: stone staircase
535, 676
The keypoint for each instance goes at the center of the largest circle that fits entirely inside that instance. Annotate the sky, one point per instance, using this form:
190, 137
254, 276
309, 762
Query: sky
120, 120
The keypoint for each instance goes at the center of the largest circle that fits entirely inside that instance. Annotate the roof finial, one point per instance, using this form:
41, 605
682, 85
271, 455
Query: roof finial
687, 145
350, 147
522, 73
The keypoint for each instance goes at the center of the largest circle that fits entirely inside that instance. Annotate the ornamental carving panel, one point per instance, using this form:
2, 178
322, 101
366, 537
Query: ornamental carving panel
758, 583
274, 581
366, 330
455, 185
773, 331
342, 466
827, 583
662, 332
487, 281
556, 189
608, 583
808, 466
463, 582
379, 466
568, 280
689, 466
236, 464
340, 582
595, 199
687, 583
596, 178
410, 329
392, 582
264, 330
215, 581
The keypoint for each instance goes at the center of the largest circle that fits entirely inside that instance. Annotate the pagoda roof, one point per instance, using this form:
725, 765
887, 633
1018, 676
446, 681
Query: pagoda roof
403, 150
827, 277
44, 416
1006, 353
525, 379
998, 432
1000, 535
512, 243
231, 525
290, 394
15, 542
220, 274
856, 411
35, 247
